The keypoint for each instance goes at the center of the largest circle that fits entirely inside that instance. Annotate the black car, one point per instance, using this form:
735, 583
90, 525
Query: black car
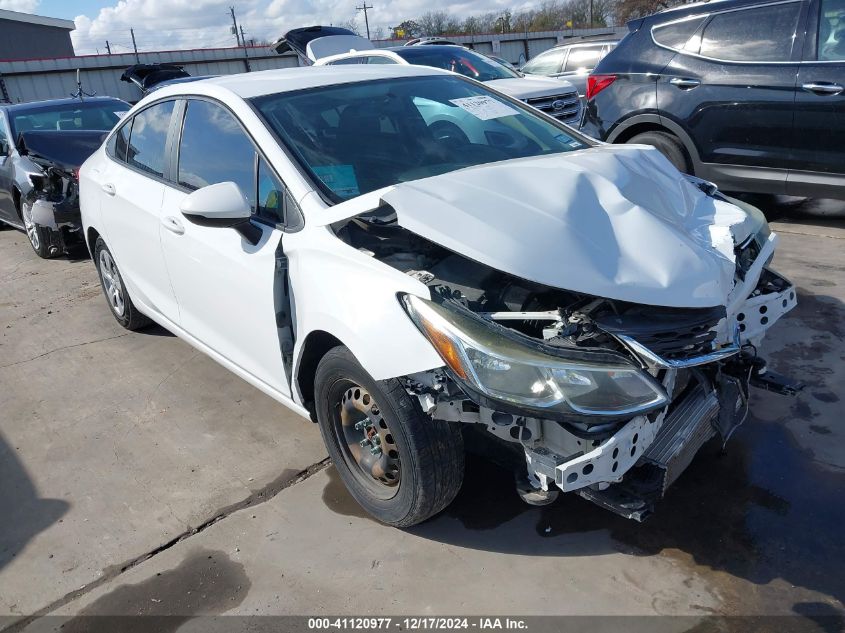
42, 146
745, 93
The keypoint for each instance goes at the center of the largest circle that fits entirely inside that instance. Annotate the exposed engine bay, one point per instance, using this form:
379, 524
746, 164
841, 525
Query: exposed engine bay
51, 203
694, 365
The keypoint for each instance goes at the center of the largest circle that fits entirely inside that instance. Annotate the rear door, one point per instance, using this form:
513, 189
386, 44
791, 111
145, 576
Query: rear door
819, 136
731, 87
132, 188
231, 293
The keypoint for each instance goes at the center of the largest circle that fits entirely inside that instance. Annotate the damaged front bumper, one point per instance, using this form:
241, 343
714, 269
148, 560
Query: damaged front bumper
627, 466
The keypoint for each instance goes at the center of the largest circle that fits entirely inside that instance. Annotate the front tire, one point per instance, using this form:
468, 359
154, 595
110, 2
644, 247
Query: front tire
667, 144
122, 308
40, 238
400, 465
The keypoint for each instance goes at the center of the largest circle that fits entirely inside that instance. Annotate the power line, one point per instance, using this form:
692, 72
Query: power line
366, 21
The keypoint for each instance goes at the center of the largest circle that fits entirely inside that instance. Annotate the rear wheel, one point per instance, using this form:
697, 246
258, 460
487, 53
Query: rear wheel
118, 298
669, 145
400, 465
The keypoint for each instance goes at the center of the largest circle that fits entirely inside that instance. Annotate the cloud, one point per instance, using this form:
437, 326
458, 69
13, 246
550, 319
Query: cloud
176, 24
24, 6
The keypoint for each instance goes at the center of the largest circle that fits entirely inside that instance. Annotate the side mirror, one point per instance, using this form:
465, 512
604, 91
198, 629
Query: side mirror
222, 205
4, 148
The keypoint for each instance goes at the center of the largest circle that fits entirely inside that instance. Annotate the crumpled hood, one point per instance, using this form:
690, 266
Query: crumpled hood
613, 221
531, 87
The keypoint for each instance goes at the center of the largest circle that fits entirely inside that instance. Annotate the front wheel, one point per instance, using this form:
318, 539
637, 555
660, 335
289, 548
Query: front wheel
399, 464
40, 238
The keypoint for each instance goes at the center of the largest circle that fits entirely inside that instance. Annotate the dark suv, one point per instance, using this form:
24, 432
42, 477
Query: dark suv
745, 93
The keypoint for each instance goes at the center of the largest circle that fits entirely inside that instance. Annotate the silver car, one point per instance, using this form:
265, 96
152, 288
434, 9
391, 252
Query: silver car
42, 145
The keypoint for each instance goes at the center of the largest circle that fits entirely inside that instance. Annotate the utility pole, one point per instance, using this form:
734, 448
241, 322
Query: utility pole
108, 48
235, 27
246, 53
135, 46
591, 13
366, 20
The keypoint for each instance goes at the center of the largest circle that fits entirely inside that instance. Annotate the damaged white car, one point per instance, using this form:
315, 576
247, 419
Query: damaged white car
585, 308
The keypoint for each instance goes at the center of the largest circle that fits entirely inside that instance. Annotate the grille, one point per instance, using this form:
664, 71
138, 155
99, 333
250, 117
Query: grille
673, 333
565, 107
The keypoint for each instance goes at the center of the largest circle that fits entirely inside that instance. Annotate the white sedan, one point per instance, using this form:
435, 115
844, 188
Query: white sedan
586, 308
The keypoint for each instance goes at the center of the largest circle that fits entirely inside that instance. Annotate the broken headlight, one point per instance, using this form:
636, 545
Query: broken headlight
510, 368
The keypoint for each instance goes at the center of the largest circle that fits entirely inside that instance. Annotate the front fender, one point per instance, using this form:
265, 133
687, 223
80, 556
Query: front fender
352, 296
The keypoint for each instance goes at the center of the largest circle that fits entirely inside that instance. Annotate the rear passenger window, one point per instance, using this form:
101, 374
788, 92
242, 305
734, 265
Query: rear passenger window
583, 58
379, 59
148, 138
545, 63
214, 148
764, 34
831, 40
676, 35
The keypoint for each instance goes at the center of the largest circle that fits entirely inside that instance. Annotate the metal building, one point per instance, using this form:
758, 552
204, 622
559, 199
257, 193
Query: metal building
25, 36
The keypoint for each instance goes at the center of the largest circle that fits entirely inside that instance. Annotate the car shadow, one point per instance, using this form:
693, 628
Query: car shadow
24, 514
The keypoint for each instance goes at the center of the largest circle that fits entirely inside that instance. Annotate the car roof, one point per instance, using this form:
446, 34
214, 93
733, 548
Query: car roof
705, 6
427, 47
256, 84
51, 103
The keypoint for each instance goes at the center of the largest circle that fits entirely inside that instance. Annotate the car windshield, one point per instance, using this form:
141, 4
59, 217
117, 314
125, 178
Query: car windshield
68, 116
459, 60
358, 137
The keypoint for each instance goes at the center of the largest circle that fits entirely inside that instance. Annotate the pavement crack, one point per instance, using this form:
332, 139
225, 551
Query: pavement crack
256, 497
64, 347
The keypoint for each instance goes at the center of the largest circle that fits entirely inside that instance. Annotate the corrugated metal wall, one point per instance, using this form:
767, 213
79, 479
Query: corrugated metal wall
32, 80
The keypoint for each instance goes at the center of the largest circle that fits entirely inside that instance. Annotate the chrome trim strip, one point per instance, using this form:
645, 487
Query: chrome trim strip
654, 360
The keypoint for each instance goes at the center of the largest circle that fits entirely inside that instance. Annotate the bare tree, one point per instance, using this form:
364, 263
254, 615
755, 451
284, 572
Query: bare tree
350, 24
632, 9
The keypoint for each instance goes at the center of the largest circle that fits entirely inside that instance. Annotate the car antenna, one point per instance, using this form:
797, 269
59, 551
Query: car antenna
80, 93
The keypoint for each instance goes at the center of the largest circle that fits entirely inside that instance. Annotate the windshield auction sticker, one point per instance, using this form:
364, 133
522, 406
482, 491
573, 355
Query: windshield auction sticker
484, 107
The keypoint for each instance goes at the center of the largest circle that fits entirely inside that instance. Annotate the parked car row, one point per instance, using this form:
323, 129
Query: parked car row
413, 258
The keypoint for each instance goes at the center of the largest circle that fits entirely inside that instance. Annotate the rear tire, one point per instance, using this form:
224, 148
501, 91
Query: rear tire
667, 144
410, 468
122, 308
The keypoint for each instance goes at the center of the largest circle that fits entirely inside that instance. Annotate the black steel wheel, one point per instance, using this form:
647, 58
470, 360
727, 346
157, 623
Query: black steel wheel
399, 464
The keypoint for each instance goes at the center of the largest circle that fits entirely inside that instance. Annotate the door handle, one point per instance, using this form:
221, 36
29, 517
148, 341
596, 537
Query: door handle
822, 88
173, 225
684, 84
109, 188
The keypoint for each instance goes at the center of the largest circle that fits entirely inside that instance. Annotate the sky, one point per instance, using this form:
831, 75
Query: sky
176, 24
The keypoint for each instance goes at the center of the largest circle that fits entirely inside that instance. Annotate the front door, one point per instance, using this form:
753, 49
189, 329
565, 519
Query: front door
819, 134
227, 288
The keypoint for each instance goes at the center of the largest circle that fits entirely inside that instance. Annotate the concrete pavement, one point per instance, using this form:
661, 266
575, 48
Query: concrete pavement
120, 443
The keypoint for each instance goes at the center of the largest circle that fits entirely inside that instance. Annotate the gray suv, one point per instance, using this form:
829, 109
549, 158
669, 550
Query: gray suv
571, 61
